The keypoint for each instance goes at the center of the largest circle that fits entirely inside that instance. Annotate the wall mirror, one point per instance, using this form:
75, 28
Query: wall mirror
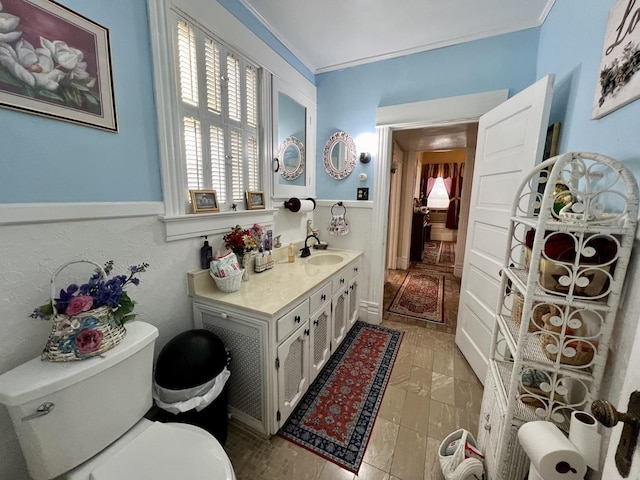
292, 158
293, 141
339, 155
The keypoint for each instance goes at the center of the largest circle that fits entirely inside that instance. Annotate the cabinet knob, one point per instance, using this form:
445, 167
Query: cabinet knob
487, 427
355, 269
341, 281
316, 322
296, 319
323, 297
307, 332
223, 315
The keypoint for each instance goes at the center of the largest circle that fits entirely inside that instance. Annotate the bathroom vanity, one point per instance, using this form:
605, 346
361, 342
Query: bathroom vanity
281, 328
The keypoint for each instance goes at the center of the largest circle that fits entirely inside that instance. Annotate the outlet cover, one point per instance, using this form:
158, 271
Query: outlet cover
363, 193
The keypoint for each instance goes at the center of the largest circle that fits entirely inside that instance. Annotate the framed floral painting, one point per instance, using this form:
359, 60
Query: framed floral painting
619, 74
55, 62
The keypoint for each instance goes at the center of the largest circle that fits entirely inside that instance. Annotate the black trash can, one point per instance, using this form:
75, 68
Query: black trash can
185, 366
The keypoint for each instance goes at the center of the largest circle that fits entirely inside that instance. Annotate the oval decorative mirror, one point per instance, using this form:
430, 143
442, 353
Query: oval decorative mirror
291, 154
340, 155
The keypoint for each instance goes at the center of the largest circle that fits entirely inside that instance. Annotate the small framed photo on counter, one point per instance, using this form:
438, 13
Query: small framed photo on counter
204, 201
255, 200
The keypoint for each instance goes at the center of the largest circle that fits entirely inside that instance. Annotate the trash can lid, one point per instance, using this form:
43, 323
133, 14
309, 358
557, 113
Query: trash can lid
190, 359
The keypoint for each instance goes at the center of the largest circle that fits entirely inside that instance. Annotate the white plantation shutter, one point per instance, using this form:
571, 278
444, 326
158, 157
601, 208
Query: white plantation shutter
233, 87
236, 166
188, 63
193, 154
221, 118
252, 96
218, 168
252, 164
214, 76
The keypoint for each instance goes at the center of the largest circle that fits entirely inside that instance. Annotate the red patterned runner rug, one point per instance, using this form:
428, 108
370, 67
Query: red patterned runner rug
335, 417
447, 254
421, 296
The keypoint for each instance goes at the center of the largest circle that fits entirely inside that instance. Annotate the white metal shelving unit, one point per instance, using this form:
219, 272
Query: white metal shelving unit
571, 233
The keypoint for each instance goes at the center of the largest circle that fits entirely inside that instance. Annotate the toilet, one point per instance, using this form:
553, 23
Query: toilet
84, 420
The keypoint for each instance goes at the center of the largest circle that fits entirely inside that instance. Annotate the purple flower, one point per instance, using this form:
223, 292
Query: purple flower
88, 340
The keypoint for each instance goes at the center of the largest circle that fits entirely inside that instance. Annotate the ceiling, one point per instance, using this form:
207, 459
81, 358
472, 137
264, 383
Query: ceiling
433, 139
332, 34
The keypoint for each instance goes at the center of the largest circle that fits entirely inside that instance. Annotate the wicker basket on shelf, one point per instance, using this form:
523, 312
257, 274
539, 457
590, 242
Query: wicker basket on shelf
538, 312
584, 350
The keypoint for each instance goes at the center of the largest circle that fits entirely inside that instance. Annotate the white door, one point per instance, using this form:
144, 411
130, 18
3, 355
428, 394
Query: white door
631, 383
510, 143
293, 371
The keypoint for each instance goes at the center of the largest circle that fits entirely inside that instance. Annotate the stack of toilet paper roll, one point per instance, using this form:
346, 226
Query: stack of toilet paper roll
554, 456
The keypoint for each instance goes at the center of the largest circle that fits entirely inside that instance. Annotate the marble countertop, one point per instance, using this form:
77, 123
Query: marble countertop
274, 291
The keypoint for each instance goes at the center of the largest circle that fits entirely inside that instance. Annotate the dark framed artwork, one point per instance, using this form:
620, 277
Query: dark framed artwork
57, 63
618, 77
255, 200
204, 201
551, 141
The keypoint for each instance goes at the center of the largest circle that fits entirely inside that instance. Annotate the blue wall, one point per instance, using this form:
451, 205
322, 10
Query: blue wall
571, 41
47, 160
239, 11
348, 99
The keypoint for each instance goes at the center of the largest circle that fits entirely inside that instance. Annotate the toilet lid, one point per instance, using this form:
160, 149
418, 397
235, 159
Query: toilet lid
168, 451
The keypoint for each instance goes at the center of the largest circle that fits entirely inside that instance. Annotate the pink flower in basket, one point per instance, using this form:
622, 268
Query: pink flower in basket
79, 304
88, 340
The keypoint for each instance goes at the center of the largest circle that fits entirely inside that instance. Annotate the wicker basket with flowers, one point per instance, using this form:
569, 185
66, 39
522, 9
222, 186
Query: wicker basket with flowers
88, 320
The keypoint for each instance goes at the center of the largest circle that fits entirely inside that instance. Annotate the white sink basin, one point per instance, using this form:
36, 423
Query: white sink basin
326, 259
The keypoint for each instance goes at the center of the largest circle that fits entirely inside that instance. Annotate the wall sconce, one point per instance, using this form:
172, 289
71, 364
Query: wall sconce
365, 157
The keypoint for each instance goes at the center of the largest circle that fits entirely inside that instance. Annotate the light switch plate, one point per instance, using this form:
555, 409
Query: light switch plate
363, 193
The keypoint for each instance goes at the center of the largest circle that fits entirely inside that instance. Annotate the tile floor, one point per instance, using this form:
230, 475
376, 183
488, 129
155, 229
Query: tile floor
432, 392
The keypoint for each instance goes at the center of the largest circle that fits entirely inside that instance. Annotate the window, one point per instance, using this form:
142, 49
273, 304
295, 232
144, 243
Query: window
219, 109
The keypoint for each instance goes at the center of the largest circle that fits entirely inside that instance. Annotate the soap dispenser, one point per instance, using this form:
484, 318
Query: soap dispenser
206, 253
292, 253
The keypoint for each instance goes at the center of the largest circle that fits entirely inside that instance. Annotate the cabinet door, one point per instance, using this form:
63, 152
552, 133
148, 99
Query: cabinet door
319, 340
354, 302
293, 370
293, 142
340, 306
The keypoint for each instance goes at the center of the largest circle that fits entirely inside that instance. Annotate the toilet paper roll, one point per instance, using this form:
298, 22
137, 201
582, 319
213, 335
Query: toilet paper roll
583, 433
551, 453
296, 205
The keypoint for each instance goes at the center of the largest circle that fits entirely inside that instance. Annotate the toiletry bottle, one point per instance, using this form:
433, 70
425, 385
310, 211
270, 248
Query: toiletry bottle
206, 253
292, 255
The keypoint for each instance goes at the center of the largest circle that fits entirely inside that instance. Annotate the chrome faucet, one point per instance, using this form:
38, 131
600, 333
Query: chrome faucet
305, 251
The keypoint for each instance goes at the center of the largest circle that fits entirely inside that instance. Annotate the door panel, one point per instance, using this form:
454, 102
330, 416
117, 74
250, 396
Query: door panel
510, 143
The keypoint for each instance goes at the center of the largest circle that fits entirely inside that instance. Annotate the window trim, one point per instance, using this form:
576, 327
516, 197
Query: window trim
178, 223
216, 19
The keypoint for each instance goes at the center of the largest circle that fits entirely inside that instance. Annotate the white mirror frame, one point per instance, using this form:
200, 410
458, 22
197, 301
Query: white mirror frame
350, 146
299, 146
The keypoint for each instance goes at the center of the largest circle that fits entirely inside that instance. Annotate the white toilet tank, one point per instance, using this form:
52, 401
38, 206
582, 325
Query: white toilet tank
94, 402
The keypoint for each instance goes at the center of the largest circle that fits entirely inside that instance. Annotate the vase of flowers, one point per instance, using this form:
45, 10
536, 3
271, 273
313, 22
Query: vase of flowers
242, 242
88, 319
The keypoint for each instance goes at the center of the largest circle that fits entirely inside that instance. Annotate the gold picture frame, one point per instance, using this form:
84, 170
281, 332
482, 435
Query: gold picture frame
255, 200
204, 201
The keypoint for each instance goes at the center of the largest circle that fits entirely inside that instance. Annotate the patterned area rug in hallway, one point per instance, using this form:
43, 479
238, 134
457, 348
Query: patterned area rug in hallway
447, 253
335, 417
421, 296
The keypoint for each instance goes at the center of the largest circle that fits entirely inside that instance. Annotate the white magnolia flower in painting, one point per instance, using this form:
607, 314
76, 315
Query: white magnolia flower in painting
9, 27
33, 66
67, 57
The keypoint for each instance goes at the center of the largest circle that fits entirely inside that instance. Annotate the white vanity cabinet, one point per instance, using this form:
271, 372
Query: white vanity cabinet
277, 353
